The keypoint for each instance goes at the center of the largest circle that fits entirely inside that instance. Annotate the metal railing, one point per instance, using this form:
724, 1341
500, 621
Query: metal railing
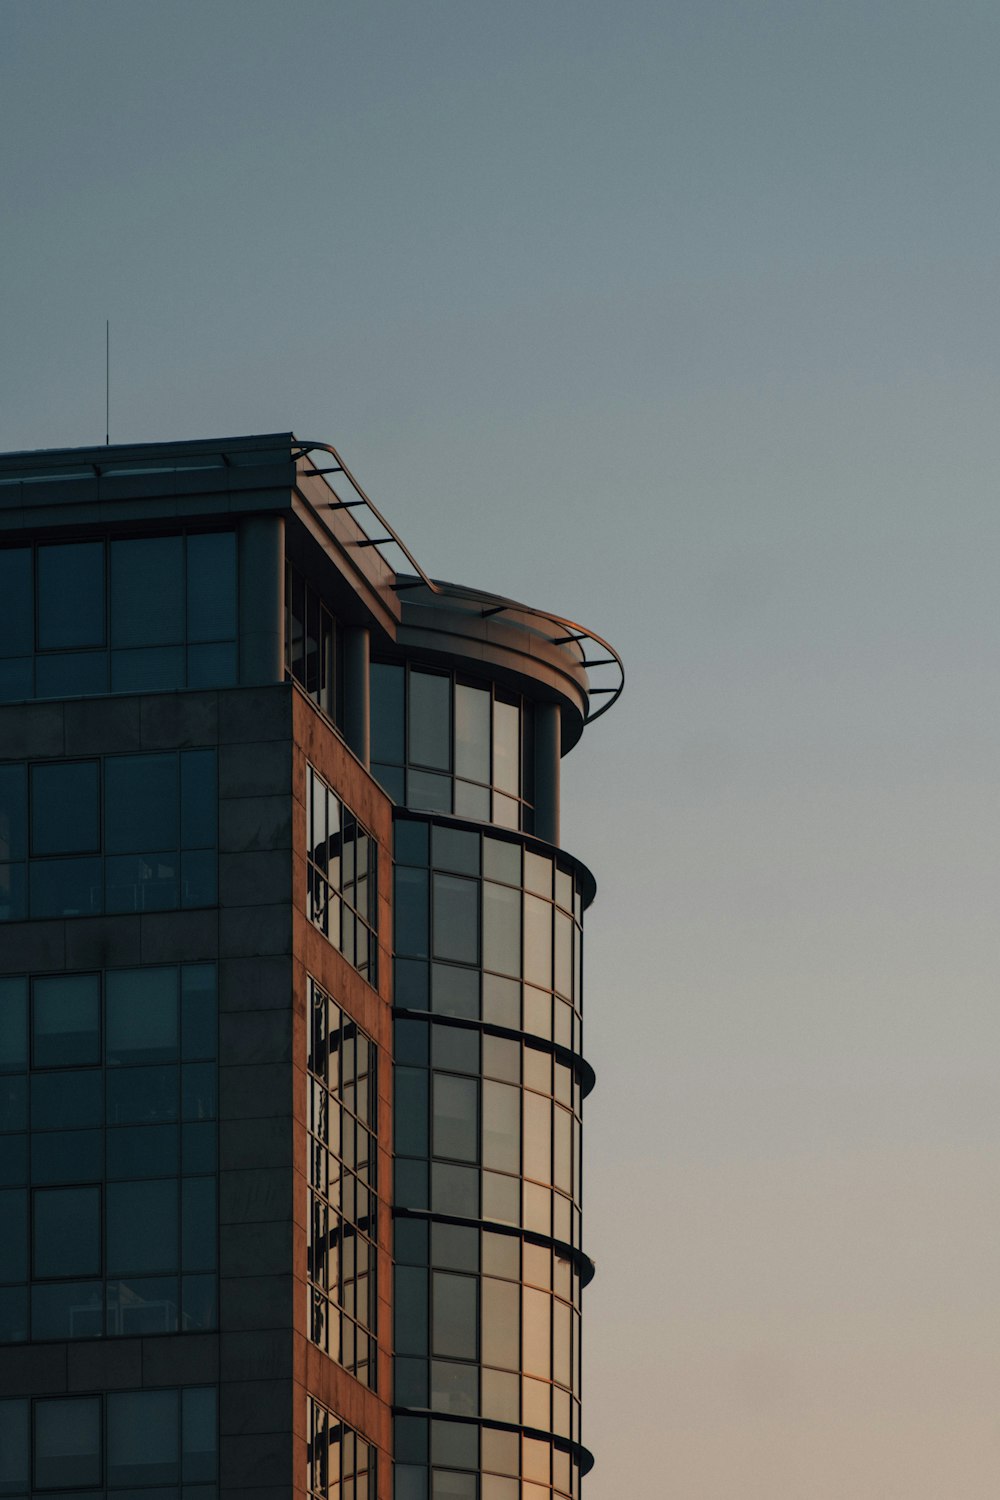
593, 653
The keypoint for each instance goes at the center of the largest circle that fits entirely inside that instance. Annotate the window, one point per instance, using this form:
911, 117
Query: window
444, 744
131, 833
343, 877
343, 1221
311, 643
339, 1461
108, 1153
129, 1441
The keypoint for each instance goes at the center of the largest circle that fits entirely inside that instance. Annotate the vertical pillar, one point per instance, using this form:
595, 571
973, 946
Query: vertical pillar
547, 751
356, 691
262, 600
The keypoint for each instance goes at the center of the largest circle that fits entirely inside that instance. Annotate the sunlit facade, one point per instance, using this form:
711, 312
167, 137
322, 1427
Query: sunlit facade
291, 1000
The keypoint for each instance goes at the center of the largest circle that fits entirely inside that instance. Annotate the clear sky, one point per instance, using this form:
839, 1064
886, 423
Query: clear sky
680, 318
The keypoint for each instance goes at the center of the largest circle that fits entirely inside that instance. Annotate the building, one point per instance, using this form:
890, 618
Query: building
290, 995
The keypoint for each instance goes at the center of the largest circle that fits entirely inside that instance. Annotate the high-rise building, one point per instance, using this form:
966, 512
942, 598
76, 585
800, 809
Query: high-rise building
291, 1063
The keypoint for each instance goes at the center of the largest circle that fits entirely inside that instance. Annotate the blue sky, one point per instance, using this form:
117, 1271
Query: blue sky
681, 319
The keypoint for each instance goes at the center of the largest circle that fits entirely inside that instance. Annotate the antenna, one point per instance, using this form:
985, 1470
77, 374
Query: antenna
107, 381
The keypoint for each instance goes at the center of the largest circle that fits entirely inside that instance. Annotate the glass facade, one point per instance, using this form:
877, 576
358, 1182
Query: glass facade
343, 877
108, 1153
343, 1188
441, 743
489, 1083
161, 1444
340, 1464
124, 615
311, 643
131, 833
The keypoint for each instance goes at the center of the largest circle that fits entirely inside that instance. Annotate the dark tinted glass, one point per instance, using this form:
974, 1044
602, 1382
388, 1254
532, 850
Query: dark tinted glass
14, 1240
411, 912
14, 1160
141, 882
143, 1438
13, 1446
13, 812
387, 713
71, 595
71, 674
65, 808
198, 1221
142, 1227
59, 1156
147, 669
143, 1151
141, 797
139, 1096
16, 678
66, 1020
67, 1101
430, 720
147, 591
16, 591
66, 1231
67, 1310
198, 1002
13, 1024
211, 600
13, 1329
68, 1442
199, 811
65, 887
411, 1111
456, 849
142, 1015
411, 1310
199, 1428
211, 666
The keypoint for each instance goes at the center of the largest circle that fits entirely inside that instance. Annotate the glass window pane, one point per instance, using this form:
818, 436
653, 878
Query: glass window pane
13, 1024
66, 1232
536, 1307
65, 887
147, 591
501, 1323
150, 669
211, 666
60, 1156
538, 941
507, 747
67, 1101
387, 713
428, 790
198, 1224
143, 1304
456, 992
141, 803
199, 878
411, 1111
67, 1310
472, 732
456, 849
502, 861
211, 600
143, 1437
501, 928
14, 1240
199, 1005
16, 590
501, 1127
456, 1117
455, 1308
65, 808
456, 919
200, 1458
142, 1227
13, 1102
13, 1447
199, 810
71, 595
71, 675
411, 911
139, 1096
13, 813
537, 1137
143, 1151
142, 1015
68, 1442
430, 721
66, 1020
472, 801
16, 678
14, 1160
141, 882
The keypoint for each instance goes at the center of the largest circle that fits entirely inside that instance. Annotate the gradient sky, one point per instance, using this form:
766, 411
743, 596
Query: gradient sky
680, 318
